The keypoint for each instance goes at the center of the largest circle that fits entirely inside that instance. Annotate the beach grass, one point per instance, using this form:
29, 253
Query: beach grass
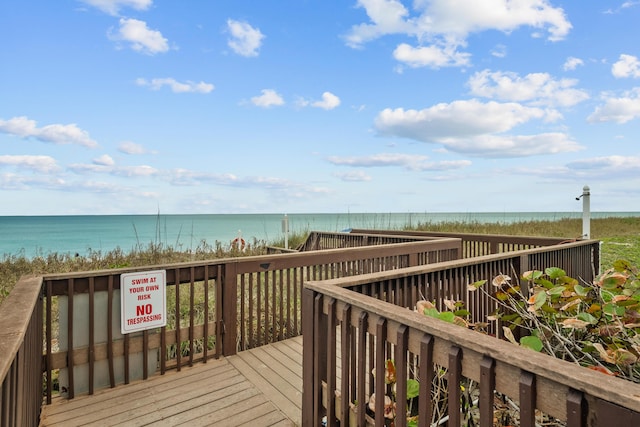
620, 238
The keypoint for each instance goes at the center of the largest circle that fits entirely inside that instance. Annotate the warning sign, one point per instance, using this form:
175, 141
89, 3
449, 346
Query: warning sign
143, 300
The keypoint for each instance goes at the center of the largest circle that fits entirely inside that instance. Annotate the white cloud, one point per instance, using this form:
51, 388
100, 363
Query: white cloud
475, 128
102, 165
176, 86
572, 63
56, 133
430, 56
129, 147
269, 98
140, 37
627, 66
329, 101
353, 176
500, 51
42, 164
505, 146
455, 120
112, 7
245, 40
407, 161
104, 160
619, 110
607, 167
534, 88
442, 26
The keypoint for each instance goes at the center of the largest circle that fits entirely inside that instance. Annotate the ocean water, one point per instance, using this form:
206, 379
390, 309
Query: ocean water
40, 235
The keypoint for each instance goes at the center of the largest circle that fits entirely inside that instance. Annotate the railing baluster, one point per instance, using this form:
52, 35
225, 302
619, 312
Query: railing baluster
402, 338
455, 377
426, 379
527, 399
331, 363
381, 335
205, 329
487, 387
92, 349
70, 364
575, 409
178, 320
346, 357
191, 314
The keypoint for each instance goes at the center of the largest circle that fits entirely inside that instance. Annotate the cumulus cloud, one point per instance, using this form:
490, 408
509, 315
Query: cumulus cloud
176, 86
626, 66
431, 56
329, 101
56, 133
269, 98
475, 128
618, 109
128, 147
112, 7
353, 176
104, 160
406, 161
572, 63
140, 37
508, 146
442, 26
607, 167
245, 40
42, 164
534, 88
454, 120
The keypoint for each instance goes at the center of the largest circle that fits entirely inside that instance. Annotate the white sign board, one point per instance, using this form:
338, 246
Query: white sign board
143, 299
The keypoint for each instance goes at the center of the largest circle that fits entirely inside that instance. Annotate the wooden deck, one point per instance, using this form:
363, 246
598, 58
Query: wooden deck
258, 387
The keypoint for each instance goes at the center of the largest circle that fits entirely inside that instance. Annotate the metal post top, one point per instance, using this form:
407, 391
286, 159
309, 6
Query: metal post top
585, 189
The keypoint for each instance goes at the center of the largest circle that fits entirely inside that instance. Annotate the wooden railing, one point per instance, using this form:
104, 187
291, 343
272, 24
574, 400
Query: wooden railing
322, 240
215, 308
474, 245
21, 354
64, 329
352, 326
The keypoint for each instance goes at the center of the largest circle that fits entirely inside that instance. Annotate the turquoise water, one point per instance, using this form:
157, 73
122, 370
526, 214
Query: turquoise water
40, 235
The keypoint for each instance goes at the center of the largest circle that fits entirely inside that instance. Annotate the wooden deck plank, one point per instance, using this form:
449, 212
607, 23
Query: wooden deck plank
138, 391
258, 387
286, 397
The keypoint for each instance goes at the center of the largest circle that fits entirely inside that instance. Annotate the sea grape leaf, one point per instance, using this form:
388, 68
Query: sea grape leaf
581, 290
532, 342
431, 312
447, 316
555, 272
587, 318
413, 388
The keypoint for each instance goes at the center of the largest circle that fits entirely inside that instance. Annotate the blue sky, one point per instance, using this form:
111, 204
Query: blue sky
298, 106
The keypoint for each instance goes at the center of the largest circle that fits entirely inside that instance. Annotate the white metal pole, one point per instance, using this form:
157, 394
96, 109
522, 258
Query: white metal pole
586, 212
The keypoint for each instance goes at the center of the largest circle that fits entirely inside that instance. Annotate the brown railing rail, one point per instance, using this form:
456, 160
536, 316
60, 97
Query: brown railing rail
216, 307
476, 244
321, 240
364, 311
21, 354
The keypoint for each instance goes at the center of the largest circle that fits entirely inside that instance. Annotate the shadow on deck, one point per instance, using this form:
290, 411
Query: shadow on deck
258, 387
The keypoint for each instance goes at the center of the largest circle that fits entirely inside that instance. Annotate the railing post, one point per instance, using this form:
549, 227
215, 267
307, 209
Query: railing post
229, 299
307, 357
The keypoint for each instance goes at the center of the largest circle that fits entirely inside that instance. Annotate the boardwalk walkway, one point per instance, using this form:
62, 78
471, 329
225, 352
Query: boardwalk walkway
259, 387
